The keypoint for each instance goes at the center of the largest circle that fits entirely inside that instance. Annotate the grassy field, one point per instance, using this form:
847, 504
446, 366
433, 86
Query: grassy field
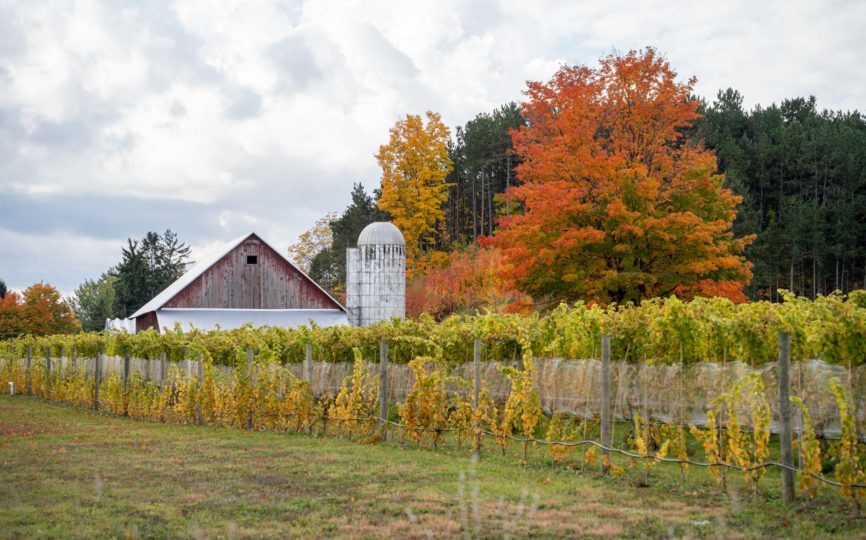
72, 473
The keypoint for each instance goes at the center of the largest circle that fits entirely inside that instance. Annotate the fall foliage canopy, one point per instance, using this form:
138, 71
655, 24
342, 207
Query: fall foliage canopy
39, 311
616, 205
471, 281
11, 322
414, 166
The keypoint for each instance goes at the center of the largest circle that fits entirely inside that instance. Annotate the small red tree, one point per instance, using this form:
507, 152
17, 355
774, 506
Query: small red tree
42, 311
11, 322
616, 205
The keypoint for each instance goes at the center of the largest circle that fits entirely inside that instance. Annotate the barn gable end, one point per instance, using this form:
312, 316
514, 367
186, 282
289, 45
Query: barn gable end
248, 275
268, 283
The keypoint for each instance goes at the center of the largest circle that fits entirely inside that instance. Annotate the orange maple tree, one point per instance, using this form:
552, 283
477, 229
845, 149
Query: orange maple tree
472, 280
616, 204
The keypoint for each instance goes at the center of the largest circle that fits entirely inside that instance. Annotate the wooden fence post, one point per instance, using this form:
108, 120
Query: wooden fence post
251, 381
605, 402
308, 364
29, 368
97, 377
383, 386
785, 443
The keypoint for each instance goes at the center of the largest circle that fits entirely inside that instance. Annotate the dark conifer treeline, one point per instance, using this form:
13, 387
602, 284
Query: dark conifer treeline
483, 168
802, 175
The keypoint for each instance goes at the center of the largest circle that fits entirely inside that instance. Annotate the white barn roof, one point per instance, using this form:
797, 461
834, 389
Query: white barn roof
202, 265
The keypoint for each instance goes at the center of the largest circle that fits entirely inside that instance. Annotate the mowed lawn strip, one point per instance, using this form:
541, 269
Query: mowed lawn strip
66, 472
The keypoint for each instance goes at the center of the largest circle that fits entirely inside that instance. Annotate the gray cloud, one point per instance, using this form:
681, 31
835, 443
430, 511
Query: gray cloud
12, 40
214, 119
244, 104
103, 217
389, 58
295, 62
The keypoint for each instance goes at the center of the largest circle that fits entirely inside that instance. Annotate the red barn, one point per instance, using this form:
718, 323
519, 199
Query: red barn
246, 281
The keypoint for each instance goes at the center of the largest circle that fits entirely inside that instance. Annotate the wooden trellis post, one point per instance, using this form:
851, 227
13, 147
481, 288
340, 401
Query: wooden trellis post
787, 450
125, 371
161, 369
97, 377
383, 386
605, 402
476, 367
48, 371
15, 361
29, 368
308, 374
199, 389
308, 364
251, 381
476, 394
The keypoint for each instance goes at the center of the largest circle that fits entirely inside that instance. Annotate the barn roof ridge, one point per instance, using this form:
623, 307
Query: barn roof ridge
205, 263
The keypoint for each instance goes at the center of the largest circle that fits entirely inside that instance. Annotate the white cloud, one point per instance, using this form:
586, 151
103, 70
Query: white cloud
264, 113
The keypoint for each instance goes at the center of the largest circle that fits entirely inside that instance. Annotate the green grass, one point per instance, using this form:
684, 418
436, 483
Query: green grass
67, 472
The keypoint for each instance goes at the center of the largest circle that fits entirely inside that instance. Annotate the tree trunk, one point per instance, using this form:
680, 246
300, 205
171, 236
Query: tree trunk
483, 204
814, 275
508, 184
490, 208
474, 211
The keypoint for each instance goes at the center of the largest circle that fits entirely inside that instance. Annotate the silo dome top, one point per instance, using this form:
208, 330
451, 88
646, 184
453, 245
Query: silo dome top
380, 233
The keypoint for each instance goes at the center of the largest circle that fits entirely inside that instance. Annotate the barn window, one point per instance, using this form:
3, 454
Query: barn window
252, 259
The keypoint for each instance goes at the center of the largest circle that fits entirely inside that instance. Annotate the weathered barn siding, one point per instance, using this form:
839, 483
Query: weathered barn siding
271, 283
148, 320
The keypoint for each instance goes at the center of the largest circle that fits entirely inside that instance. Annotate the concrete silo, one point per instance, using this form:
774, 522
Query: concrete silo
376, 275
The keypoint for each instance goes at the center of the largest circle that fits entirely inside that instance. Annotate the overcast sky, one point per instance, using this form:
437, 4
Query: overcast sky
218, 118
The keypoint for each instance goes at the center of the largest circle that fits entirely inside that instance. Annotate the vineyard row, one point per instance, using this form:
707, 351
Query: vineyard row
260, 393
659, 331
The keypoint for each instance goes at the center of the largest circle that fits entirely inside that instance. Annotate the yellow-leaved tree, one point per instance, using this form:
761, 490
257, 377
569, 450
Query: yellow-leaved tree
414, 166
313, 241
